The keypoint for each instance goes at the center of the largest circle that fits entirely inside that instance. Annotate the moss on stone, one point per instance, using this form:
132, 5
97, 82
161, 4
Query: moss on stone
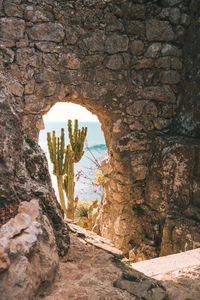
32, 144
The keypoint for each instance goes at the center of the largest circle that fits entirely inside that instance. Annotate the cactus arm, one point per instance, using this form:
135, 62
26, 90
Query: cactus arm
70, 133
54, 146
69, 184
77, 139
57, 154
61, 194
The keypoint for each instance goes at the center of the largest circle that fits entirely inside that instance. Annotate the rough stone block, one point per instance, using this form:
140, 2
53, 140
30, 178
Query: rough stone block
151, 109
115, 62
36, 14
137, 47
26, 56
168, 63
116, 43
136, 28
169, 77
70, 61
139, 172
95, 41
16, 88
159, 30
136, 109
12, 28
70, 76
71, 36
185, 19
50, 47
153, 50
6, 55
136, 125
13, 9
143, 63
175, 15
137, 11
170, 50
159, 93
47, 32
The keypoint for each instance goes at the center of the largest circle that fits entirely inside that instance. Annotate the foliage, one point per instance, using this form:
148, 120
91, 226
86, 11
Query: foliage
99, 178
39, 159
32, 144
86, 214
63, 159
29, 151
3, 200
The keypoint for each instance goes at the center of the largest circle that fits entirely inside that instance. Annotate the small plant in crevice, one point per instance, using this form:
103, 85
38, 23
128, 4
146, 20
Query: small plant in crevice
86, 214
38, 159
99, 178
32, 144
139, 211
29, 151
3, 199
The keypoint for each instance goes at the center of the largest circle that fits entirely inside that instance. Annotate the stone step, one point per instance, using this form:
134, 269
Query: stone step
94, 239
165, 264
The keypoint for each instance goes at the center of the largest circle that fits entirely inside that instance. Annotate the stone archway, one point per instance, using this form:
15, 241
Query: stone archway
124, 62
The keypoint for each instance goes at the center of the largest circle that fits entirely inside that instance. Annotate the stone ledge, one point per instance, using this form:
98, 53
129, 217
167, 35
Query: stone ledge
94, 239
169, 263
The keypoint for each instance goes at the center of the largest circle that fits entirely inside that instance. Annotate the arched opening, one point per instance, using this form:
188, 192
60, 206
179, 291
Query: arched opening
88, 170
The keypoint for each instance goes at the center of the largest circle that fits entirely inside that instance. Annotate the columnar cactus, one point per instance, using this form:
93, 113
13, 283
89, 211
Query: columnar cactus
58, 157
63, 163
75, 153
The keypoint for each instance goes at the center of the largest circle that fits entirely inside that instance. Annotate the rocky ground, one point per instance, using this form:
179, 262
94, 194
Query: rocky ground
183, 284
91, 273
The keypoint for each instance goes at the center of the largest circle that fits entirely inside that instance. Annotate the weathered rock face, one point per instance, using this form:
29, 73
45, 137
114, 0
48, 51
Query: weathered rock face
30, 242
24, 170
29, 258
133, 65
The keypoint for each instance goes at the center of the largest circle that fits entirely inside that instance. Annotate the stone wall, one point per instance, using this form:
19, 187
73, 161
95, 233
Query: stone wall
131, 63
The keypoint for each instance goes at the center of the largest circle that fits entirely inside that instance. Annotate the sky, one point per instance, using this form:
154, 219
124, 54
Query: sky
61, 112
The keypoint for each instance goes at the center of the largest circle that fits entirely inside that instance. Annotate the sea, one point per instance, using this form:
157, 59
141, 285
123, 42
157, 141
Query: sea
85, 171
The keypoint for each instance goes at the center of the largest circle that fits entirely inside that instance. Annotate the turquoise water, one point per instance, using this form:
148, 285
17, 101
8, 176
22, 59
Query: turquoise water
95, 152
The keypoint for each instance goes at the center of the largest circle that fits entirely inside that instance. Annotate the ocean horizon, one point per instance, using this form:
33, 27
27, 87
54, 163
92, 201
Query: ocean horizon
94, 152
